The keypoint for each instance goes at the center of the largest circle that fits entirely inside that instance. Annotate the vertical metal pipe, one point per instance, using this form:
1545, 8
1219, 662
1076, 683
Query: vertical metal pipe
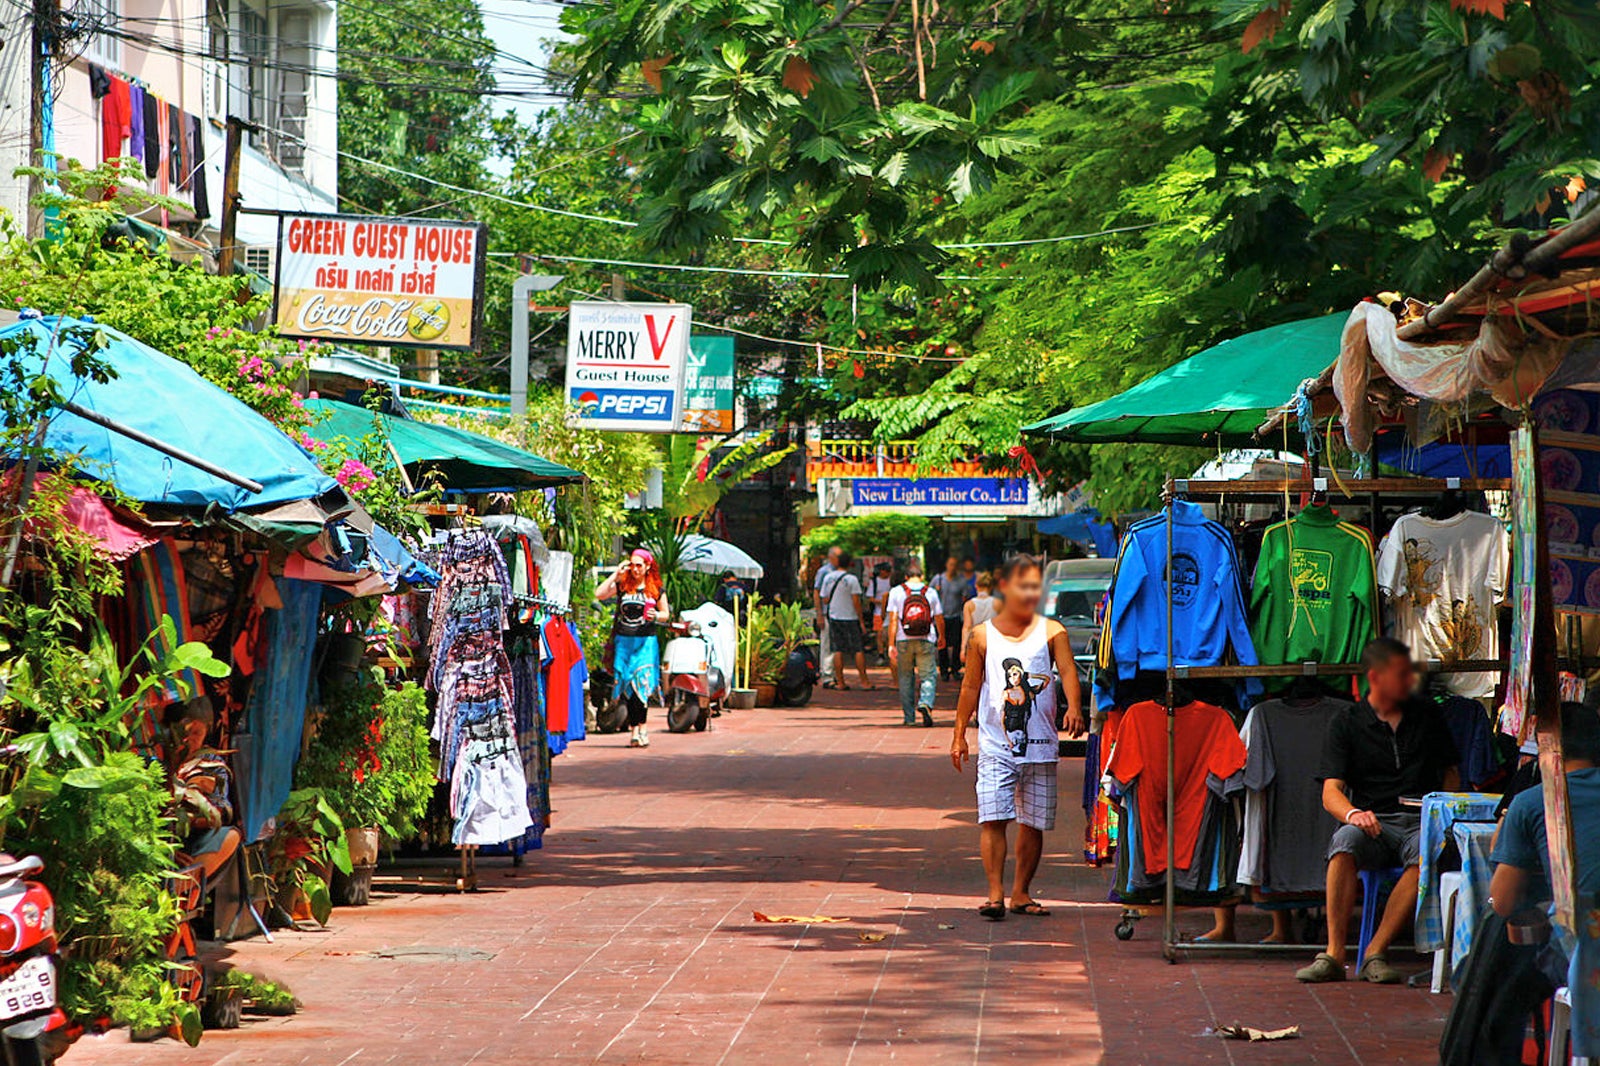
522, 291
1169, 919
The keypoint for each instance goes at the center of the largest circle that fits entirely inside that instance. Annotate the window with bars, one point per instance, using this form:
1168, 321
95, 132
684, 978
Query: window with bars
97, 17
272, 63
216, 61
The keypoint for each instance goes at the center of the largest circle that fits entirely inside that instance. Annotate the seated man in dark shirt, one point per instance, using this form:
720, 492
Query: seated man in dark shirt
1385, 747
1522, 873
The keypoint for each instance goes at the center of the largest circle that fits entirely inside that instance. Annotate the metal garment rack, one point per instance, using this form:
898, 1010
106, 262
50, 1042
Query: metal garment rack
1276, 489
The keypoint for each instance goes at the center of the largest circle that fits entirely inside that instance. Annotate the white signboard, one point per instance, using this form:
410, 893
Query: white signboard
355, 279
626, 365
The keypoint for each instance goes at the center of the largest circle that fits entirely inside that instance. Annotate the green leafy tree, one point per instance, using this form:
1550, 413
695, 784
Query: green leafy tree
869, 534
413, 96
849, 128
88, 265
1496, 101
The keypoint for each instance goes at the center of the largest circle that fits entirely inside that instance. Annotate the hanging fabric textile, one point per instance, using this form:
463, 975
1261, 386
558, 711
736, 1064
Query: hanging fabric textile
1446, 578
474, 719
1099, 821
1315, 596
136, 123
1286, 830
153, 109
1206, 772
1208, 607
532, 744
267, 742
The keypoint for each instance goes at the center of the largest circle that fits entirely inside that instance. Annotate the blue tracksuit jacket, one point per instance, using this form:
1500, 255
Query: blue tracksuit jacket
1208, 606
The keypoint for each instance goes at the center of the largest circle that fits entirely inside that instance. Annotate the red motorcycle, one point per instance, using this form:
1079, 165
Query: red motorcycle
33, 1030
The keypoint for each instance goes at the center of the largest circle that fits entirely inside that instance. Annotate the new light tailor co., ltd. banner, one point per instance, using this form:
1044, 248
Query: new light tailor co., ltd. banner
361, 279
626, 365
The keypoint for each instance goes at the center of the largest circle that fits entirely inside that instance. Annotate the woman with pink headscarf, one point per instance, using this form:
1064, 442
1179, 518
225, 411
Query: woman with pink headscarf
636, 662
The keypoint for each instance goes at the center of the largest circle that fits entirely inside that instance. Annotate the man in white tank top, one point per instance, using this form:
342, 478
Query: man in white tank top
1012, 664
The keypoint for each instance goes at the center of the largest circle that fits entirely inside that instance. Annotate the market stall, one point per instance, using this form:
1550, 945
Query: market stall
1302, 590
1501, 379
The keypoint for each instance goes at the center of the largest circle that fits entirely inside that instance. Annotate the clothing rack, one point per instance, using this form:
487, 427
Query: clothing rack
1418, 488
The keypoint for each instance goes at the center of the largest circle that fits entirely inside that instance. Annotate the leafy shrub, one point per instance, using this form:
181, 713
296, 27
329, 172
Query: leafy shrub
870, 534
369, 758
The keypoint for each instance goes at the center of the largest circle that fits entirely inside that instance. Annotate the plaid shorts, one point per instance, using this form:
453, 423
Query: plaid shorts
1012, 791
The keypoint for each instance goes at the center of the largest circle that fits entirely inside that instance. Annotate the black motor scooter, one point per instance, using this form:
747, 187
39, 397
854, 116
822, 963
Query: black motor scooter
607, 713
801, 673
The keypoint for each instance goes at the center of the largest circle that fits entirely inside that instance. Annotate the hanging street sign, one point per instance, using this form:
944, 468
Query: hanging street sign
708, 386
363, 279
626, 364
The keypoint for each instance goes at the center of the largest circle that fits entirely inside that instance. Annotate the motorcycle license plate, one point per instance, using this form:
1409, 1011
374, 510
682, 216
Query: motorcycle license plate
32, 988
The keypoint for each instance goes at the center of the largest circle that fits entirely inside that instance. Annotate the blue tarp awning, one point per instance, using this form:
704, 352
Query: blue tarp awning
167, 400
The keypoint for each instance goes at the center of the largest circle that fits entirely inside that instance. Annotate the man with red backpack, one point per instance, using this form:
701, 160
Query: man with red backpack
916, 633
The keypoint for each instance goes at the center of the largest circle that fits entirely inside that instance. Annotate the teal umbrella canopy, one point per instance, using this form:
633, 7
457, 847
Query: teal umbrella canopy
463, 460
165, 399
1219, 395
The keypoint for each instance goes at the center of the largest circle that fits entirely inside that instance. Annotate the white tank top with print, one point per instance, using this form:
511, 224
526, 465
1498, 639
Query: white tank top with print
1017, 705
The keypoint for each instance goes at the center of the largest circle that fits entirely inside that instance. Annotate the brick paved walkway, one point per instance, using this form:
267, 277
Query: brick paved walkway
630, 937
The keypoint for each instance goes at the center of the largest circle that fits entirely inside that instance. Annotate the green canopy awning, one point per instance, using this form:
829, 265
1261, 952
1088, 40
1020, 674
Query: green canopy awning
1221, 394
465, 461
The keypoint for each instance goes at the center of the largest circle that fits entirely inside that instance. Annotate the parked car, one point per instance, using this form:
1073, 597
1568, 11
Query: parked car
1072, 590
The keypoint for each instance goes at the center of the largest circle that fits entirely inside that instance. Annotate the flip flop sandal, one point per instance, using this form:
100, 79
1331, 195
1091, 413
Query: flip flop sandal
1032, 909
994, 910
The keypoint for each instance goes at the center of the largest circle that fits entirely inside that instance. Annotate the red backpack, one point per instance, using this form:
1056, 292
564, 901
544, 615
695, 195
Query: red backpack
916, 614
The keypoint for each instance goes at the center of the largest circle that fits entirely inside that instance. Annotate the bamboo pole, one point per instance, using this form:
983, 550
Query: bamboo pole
1516, 260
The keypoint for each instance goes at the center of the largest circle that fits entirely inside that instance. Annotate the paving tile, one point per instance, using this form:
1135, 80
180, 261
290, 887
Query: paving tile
630, 937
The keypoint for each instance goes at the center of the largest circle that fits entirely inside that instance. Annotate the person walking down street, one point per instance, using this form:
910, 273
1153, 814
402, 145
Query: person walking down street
978, 610
636, 662
954, 592
1014, 661
916, 633
842, 598
969, 570
829, 567
877, 597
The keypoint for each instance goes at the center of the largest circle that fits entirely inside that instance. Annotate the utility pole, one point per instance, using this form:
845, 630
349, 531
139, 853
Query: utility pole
619, 291
230, 194
41, 119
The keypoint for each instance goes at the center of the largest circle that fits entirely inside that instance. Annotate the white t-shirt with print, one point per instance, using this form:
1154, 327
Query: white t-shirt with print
897, 602
1445, 579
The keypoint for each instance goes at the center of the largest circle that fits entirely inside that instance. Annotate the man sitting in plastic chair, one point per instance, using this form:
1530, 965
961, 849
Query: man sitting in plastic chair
1386, 747
1522, 872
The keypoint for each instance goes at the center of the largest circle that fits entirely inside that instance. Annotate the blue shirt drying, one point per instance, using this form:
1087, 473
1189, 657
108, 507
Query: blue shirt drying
1208, 609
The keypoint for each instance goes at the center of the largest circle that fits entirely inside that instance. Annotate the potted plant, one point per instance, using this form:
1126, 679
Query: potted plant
307, 845
759, 649
369, 761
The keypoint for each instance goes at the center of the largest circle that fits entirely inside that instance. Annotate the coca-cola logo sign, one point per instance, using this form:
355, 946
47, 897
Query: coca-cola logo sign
356, 279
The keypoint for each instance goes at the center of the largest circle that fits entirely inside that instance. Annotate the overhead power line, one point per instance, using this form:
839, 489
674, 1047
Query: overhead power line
808, 345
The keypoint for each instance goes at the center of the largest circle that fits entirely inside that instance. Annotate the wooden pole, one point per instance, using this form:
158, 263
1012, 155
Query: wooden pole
230, 194
619, 289
1516, 260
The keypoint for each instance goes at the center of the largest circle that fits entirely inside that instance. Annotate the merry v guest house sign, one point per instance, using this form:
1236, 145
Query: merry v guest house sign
362, 279
625, 365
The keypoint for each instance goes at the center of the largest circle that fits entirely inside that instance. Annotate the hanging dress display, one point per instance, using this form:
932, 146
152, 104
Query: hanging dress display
474, 718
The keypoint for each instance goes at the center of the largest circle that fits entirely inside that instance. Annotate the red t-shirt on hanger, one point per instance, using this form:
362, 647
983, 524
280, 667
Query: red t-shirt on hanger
1206, 743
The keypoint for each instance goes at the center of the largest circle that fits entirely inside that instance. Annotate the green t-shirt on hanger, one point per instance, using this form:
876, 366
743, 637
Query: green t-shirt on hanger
1315, 596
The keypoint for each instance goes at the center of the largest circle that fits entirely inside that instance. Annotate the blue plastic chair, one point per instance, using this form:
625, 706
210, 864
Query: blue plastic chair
1375, 884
